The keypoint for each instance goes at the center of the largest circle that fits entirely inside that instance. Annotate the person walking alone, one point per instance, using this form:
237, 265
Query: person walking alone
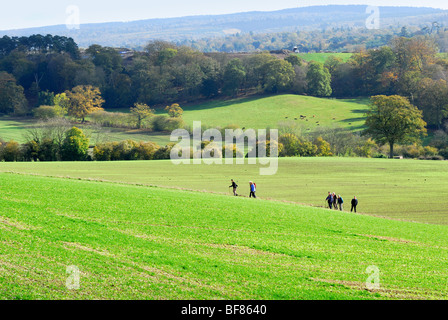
234, 186
354, 204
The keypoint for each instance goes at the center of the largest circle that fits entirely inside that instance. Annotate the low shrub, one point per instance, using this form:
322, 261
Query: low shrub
236, 153
164, 153
444, 153
263, 148
10, 151
212, 150
45, 112
415, 151
293, 146
125, 150
164, 123
379, 156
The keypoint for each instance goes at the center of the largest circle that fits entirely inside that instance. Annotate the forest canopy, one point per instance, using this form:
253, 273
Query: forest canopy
36, 68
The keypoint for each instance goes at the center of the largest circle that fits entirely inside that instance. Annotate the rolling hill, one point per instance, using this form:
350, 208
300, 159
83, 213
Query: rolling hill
409, 190
254, 112
134, 242
136, 34
263, 112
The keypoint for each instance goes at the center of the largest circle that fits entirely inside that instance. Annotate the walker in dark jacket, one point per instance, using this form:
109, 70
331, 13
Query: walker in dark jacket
330, 200
340, 202
234, 186
354, 204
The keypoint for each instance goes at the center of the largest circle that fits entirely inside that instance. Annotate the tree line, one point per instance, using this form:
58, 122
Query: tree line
326, 39
85, 81
165, 73
38, 43
392, 122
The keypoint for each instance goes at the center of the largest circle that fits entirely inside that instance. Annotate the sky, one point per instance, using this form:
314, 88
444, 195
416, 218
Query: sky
27, 14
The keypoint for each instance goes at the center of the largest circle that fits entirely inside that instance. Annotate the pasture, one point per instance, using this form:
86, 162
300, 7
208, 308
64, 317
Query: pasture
263, 112
254, 112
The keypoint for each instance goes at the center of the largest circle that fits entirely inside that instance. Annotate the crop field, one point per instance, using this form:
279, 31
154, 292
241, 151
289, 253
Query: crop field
400, 189
154, 230
138, 242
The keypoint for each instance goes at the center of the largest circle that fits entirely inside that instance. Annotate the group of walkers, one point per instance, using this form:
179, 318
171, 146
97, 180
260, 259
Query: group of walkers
336, 202
252, 186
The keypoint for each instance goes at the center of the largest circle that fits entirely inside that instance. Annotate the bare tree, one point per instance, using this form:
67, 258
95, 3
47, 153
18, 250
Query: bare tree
52, 129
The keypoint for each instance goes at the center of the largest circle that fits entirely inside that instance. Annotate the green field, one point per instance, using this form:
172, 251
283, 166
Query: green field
16, 128
259, 113
401, 189
255, 113
136, 242
322, 57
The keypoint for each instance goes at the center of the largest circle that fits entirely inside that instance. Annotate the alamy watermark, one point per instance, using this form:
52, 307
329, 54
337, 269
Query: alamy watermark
373, 21
73, 21
73, 280
261, 146
373, 281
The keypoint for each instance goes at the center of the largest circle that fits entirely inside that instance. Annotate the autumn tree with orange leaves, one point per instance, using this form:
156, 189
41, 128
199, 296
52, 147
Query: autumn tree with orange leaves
83, 100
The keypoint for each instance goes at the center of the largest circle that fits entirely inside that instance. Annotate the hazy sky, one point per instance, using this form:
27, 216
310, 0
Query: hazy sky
24, 14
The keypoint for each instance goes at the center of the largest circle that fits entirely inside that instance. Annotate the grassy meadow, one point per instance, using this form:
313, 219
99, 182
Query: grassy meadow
400, 189
259, 113
322, 57
137, 242
256, 113
16, 129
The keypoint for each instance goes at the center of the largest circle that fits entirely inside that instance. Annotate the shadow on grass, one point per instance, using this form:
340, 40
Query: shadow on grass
362, 100
350, 120
130, 131
229, 102
357, 128
223, 103
363, 111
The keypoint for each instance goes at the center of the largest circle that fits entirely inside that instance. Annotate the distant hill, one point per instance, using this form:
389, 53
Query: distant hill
135, 34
